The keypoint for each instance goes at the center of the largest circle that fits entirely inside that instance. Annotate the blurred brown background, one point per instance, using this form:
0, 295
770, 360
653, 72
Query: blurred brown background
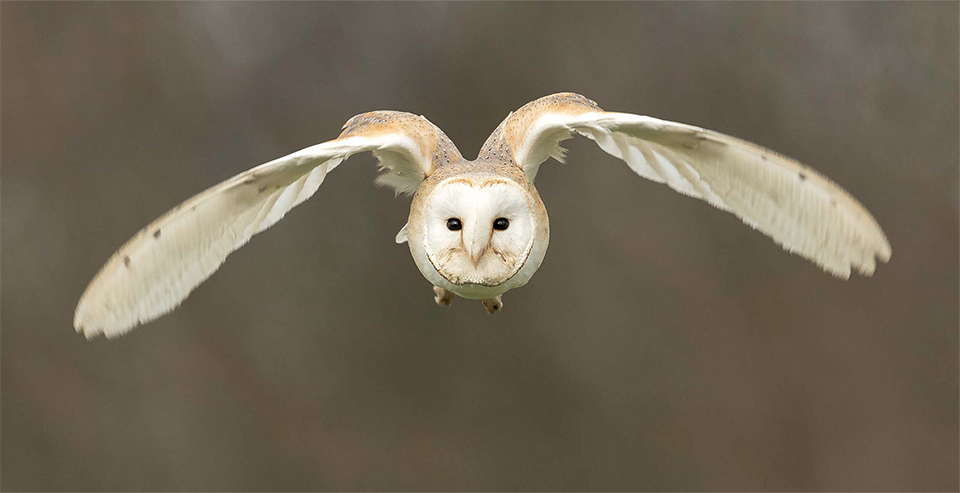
661, 346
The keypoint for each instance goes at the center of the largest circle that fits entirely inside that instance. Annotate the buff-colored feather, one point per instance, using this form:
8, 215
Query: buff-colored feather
799, 208
158, 268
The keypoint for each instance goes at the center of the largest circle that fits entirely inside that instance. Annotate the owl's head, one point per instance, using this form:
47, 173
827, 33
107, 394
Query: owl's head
479, 229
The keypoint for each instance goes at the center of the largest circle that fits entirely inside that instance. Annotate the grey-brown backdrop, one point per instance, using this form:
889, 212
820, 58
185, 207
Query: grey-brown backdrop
662, 345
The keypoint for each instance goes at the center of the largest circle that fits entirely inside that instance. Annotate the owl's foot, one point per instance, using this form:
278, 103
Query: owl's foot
442, 297
493, 305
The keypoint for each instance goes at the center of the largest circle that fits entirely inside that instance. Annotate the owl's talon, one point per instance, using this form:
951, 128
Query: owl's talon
442, 297
493, 305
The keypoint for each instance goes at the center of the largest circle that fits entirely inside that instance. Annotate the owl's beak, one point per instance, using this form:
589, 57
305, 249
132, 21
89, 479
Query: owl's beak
478, 239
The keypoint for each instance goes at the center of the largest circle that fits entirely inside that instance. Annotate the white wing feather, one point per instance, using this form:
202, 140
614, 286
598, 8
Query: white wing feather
402, 235
802, 210
153, 272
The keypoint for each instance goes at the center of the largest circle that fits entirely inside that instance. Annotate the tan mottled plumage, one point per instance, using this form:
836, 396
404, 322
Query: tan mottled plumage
478, 228
506, 143
435, 147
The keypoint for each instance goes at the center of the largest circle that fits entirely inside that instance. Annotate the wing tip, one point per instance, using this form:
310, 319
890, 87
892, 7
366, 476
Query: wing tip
886, 251
83, 326
89, 332
866, 266
92, 332
93, 327
80, 324
881, 252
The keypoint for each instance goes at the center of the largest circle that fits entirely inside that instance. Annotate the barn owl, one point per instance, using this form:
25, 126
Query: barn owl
477, 229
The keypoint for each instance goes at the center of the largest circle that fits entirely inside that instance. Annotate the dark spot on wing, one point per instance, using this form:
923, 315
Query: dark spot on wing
802, 176
261, 188
126, 260
156, 234
763, 157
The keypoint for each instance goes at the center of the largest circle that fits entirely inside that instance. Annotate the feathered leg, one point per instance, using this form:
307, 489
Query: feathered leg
493, 305
442, 296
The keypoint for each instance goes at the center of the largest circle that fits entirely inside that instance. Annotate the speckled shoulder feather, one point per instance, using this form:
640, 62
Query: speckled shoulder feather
507, 142
436, 148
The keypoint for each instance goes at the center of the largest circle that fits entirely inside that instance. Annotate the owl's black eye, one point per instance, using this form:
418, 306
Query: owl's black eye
501, 223
454, 224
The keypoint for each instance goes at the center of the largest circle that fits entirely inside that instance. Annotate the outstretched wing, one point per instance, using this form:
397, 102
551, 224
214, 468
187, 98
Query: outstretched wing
156, 269
802, 210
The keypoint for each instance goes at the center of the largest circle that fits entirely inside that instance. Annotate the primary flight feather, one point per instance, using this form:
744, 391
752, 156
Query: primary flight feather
477, 229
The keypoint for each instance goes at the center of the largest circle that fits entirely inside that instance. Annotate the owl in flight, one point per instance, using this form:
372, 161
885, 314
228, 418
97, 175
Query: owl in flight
478, 228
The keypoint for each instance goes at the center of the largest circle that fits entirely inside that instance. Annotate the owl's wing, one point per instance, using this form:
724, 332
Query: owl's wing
802, 210
156, 269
